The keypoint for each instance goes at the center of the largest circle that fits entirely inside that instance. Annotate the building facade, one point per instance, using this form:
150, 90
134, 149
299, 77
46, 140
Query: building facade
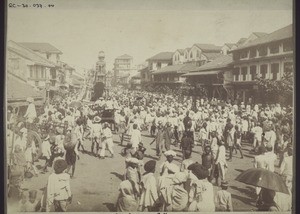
123, 67
29, 66
268, 57
155, 63
178, 57
46, 50
228, 47
184, 61
213, 76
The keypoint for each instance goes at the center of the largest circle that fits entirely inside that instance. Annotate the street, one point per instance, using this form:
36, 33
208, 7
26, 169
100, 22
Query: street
95, 184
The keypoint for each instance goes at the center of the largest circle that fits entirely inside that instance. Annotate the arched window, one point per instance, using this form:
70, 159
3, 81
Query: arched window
191, 54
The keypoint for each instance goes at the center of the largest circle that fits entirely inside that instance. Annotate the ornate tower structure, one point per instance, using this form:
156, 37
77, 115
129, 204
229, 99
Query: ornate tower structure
100, 68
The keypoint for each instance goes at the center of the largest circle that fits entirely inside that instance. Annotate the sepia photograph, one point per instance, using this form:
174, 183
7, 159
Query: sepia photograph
149, 106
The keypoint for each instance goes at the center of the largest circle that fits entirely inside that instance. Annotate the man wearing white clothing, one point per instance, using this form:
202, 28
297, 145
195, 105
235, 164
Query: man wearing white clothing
107, 141
136, 137
221, 161
286, 169
30, 114
257, 131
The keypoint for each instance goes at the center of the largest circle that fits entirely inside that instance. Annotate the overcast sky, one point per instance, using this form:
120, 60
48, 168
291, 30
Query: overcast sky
141, 30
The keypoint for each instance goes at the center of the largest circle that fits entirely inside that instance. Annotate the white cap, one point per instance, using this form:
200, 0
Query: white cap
170, 153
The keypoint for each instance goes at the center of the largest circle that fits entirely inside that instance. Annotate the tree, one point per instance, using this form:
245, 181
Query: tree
275, 91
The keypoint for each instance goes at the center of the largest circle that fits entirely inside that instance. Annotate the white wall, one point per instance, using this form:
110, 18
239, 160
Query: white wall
225, 49
194, 50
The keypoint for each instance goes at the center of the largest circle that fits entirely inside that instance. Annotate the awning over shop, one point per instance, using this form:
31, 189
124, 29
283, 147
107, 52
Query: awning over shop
17, 90
201, 73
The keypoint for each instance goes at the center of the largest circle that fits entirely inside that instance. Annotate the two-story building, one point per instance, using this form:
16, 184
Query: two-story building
160, 60
213, 76
51, 53
46, 50
172, 75
29, 66
268, 56
184, 61
155, 63
199, 54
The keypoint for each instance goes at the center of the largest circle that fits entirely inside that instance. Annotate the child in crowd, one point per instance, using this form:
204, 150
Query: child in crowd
223, 198
208, 160
237, 141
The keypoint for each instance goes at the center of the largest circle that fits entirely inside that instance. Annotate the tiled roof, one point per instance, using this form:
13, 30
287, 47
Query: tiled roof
19, 90
212, 56
28, 54
41, 47
208, 47
162, 56
180, 68
220, 62
283, 33
124, 56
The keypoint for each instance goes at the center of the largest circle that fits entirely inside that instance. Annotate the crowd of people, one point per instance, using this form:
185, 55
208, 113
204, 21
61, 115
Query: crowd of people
210, 127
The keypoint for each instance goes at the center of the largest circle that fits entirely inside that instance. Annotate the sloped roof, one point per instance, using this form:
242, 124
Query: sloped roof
143, 69
187, 49
28, 54
137, 76
162, 56
181, 51
212, 56
208, 47
259, 34
19, 90
66, 65
42, 47
241, 41
230, 45
220, 62
180, 68
283, 33
124, 56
